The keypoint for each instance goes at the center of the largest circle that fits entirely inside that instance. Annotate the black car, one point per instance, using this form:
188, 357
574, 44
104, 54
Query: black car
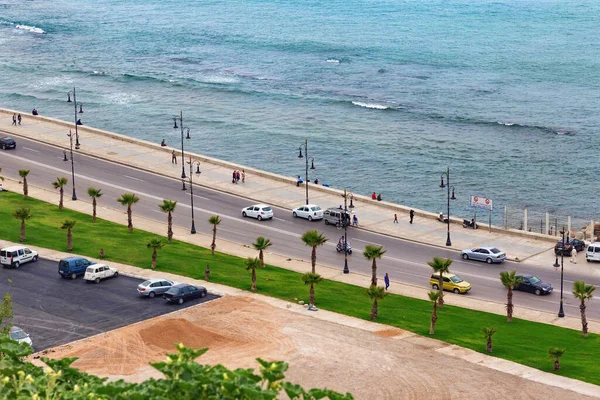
183, 292
568, 246
7, 143
533, 284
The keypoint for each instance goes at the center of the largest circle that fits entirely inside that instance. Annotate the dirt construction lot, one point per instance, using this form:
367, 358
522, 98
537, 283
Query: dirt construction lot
385, 364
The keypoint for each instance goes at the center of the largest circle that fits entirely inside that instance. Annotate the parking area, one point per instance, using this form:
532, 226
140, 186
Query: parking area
56, 311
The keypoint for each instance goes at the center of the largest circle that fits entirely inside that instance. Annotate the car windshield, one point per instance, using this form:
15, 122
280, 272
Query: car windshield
173, 291
495, 250
535, 280
90, 270
267, 209
455, 279
16, 335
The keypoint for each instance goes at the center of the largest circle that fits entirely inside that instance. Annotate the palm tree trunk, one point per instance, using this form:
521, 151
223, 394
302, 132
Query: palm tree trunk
489, 345
433, 319
441, 284
170, 227
213, 245
312, 295
154, 254
556, 365
93, 209
374, 310
60, 203
374, 273
22, 236
313, 259
129, 222
260, 257
584, 324
509, 305
25, 187
69, 240
253, 280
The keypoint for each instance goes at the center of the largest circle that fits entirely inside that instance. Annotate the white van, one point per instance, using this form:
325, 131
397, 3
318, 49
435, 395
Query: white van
97, 272
593, 252
14, 256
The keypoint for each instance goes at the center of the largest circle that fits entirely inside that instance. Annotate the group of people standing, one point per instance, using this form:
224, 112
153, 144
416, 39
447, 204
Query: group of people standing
237, 175
16, 118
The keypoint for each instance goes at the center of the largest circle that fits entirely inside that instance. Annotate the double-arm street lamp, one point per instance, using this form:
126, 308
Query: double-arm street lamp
447, 173
346, 222
312, 163
561, 311
77, 123
183, 129
192, 163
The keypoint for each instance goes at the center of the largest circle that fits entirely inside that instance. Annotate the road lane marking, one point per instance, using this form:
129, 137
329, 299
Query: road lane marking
368, 241
279, 219
199, 197
134, 178
27, 148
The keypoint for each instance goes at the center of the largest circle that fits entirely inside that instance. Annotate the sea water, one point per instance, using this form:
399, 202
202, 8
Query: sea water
388, 93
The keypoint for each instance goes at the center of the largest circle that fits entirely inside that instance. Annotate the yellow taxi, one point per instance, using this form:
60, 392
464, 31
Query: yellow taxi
451, 283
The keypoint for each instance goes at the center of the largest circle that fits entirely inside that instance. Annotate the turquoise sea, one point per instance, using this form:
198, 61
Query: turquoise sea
388, 93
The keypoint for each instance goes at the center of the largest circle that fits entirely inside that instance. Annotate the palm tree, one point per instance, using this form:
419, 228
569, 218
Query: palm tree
435, 297
556, 353
583, 292
260, 245
510, 280
168, 206
314, 239
372, 253
60, 183
23, 174
312, 279
22, 214
155, 245
252, 264
440, 266
128, 199
94, 194
69, 224
214, 220
487, 334
375, 293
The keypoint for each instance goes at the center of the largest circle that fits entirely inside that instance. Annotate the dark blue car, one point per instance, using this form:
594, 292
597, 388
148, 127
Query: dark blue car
71, 267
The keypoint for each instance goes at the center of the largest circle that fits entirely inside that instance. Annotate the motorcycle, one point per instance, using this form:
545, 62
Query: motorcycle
340, 247
469, 224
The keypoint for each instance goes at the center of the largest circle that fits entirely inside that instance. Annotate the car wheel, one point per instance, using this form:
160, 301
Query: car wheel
116, 274
203, 294
310, 218
180, 301
35, 258
244, 214
295, 215
435, 286
73, 276
3, 147
17, 264
456, 290
350, 252
538, 292
587, 260
326, 222
97, 280
465, 256
151, 295
488, 260
259, 218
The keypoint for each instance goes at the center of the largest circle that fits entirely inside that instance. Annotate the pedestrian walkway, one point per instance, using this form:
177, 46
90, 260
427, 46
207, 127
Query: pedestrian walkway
275, 189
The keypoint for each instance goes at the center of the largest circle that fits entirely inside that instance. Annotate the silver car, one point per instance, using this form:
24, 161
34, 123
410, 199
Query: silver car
485, 253
20, 335
152, 287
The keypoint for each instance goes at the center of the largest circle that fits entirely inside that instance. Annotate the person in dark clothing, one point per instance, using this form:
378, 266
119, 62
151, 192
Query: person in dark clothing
395, 218
173, 157
412, 215
34, 112
379, 197
386, 279
19, 118
233, 177
316, 181
14, 119
163, 143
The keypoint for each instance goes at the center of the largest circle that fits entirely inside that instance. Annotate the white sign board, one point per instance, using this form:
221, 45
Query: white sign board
482, 202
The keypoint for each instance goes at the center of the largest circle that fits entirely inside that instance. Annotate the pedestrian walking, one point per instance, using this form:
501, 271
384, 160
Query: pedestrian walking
574, 255
395, 218
237, 176
65, 156
243, 176
14, 119
386, 279
354, 221
233, 176
19, 118
173, 157
412, 215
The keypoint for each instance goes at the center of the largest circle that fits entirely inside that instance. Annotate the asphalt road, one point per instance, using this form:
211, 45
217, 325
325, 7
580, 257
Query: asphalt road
55, 311
405, 261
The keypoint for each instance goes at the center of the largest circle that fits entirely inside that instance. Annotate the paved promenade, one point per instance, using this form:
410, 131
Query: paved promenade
274, 189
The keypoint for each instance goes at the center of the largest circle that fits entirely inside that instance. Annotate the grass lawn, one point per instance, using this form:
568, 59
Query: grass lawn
522, 341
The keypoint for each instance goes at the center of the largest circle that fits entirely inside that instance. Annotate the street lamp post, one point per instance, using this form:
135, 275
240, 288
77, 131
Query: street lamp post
561, 310
312, 164
191, 163
447, 173
183, 129
345, 222
77, 122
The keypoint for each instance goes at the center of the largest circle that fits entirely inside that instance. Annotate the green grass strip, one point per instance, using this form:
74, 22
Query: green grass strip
521, 341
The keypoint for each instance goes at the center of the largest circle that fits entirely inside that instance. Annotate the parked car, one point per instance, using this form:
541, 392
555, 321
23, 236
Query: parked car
97, 272
71, 267
7, 143
184, 292
14, 256
154, 286
485, 253
310, 212
593, 252
451, 283
258, 211
20, 335
533, 284
568, 247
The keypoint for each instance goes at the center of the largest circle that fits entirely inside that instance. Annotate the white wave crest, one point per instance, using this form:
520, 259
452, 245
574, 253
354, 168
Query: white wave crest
370, 105
219, 79
333, 60
32, 29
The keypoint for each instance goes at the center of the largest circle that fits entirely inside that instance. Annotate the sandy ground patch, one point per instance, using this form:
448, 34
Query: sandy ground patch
386, 364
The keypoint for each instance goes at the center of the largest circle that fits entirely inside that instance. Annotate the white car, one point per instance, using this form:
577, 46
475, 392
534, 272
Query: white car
311, 212
97, 272
20, 335
14, 256
258, 211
